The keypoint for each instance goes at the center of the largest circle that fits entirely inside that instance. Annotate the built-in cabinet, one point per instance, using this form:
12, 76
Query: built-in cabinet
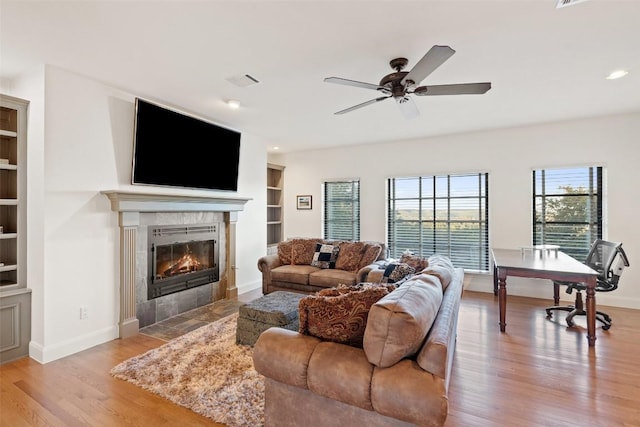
15, 297
275, 206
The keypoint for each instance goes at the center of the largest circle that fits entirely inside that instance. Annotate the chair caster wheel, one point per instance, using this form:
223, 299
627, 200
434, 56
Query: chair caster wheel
549, 314
605, 327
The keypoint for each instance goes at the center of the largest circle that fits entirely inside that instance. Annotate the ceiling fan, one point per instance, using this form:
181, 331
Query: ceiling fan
399, 85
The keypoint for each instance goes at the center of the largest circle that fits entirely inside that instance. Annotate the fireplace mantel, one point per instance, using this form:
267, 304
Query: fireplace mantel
128, 201
130, 205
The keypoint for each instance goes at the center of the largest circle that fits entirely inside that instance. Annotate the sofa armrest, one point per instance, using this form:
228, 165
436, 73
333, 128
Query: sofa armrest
265, 265
283, 355
437, 352
268, 263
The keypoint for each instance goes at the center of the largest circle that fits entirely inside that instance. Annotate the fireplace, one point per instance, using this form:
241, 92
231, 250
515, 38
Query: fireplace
137, 212
181, 257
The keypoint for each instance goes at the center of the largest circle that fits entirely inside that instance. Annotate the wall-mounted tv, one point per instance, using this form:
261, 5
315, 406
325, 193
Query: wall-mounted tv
178, 150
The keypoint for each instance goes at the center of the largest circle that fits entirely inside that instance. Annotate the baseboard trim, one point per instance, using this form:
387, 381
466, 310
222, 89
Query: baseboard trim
46, 354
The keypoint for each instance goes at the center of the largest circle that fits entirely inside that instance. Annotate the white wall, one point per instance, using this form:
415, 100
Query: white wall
509, 155
86, 148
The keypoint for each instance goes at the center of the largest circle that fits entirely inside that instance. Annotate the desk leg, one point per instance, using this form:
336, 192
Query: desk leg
495, 280
502, 301
591, 312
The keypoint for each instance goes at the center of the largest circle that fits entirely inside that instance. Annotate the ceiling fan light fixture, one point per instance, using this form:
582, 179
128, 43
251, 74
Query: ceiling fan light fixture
564, 3
617, 74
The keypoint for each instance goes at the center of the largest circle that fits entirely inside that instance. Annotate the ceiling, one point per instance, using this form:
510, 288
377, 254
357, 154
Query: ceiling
545, 64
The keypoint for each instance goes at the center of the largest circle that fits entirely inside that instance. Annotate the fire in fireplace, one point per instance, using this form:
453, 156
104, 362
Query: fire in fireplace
181, 257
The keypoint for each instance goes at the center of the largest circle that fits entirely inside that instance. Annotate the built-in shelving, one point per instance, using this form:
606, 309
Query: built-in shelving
275, 203
15, 297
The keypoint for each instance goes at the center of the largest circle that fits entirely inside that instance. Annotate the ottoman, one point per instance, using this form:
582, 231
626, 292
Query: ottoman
275, 309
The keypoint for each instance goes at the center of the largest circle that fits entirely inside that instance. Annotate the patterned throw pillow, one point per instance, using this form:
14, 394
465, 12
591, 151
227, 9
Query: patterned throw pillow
340, 314
350, 256
415, 261
370, 255
396, 272
302, 251
284, 252
325, 256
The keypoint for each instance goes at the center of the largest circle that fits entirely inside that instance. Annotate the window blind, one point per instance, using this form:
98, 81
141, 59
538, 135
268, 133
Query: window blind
341, 213
440, 214
567, 208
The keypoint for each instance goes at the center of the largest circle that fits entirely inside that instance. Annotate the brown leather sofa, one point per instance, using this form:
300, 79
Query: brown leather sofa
388, 382
292, 269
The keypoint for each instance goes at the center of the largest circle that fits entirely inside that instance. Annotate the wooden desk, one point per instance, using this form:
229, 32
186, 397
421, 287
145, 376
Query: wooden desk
519, 263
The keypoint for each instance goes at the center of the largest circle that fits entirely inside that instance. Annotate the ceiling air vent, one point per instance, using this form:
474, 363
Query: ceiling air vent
244, 80
565, 3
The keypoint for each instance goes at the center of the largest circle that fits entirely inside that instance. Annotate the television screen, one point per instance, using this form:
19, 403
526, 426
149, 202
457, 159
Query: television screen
177, 150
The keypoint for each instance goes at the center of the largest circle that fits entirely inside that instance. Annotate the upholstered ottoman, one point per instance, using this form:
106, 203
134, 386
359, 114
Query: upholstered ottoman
275, 309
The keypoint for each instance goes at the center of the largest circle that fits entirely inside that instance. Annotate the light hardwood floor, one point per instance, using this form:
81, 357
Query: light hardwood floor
538, 373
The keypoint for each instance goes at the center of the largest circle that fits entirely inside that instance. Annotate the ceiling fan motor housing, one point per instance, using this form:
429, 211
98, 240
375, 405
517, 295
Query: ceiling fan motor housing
391, 83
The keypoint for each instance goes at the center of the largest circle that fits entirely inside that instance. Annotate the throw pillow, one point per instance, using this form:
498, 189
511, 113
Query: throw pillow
396, 272
340, 314
441, 267
370, 255
415, 261
302, 251
284, 252
325, 256
399, 322
350, 256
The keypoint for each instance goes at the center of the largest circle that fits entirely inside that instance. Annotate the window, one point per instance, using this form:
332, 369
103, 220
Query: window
341, 210
567, 208
440, 214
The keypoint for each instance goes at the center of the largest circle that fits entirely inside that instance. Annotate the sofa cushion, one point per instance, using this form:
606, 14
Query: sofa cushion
350, 256
441, 267
339, 314
329, 277
325, 255
415, 261
395, 272
398, 323
302, 251
293, 273
284, 252
370, 254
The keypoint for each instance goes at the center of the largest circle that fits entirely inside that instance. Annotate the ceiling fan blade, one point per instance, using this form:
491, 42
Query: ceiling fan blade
355, 83
364, 104
454, 89
429, 62
408, 107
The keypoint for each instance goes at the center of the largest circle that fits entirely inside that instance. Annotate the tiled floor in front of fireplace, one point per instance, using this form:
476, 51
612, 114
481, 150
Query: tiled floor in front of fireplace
175, 326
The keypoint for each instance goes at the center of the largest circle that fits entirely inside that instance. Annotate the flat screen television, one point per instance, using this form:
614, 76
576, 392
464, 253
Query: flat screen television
178, 150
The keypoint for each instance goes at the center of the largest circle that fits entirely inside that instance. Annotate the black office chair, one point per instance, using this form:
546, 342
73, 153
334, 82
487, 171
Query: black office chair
608, 259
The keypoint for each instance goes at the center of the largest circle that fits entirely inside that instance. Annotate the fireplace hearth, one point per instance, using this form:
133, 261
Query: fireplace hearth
181, 257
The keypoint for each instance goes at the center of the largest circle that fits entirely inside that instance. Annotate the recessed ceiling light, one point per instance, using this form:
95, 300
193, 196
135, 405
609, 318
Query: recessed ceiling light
233, 104
275, 147
617, 74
